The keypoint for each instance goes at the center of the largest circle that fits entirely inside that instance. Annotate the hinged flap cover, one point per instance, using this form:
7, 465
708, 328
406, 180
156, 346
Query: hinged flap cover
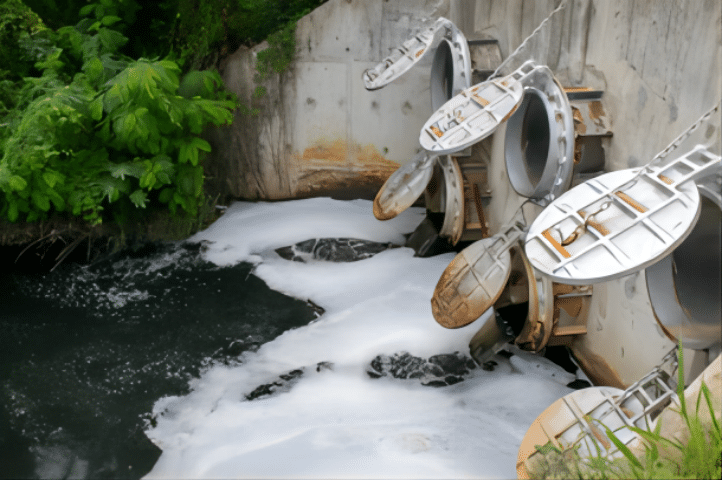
620, 222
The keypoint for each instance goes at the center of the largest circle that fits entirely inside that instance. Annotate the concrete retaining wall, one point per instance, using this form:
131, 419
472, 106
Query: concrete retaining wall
320, 131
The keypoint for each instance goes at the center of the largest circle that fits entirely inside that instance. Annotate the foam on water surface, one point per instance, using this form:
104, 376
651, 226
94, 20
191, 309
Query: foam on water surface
339, 422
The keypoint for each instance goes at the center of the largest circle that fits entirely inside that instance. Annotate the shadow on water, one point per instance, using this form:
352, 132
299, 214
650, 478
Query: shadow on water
85, 351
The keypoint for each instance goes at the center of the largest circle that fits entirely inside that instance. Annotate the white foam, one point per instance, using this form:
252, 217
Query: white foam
341, 423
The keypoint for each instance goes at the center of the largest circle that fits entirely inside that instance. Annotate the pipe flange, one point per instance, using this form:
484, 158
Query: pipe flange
540, 319
545, 119
453, 225
409, 53
451, 67
404, 186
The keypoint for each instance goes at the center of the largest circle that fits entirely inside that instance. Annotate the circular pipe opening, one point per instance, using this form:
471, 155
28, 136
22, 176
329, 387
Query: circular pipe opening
535, 138
526, 147
697, 267
442, 75
685, 287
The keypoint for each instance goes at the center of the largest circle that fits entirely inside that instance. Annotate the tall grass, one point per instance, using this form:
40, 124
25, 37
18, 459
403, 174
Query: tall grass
698, 456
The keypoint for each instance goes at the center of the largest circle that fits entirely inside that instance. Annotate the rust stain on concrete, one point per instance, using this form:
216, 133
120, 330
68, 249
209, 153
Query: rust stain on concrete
595, 367
335, 166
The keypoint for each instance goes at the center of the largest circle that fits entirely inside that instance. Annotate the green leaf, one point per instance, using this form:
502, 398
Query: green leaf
139, 198
87, 9
547, 448
622, 448
198, 181
17, 183
112, 187
111, 40
188, 153
120, 170
166, 195
201, 144
57, 200
52, 177
13, 211
96, 109
186, 185
109, 20
114, 98
94, 69
708, 398
40, 200
147, 181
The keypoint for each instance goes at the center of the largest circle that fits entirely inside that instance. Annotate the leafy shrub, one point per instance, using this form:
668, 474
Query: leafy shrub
16, 21
204, 28
100, 128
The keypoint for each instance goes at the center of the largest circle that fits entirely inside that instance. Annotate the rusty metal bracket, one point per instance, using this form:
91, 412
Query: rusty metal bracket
590, 119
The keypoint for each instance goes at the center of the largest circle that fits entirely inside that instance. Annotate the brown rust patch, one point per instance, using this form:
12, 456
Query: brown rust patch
480, 211
666, 180
420, 52
437, 132
450, 308
595, 367
576, 89
596, 110
555, 244
627, 412
597, 226
506, 117
379, 212
597, 432
480, 100
336, 167
579, 125
632, 202
577, 152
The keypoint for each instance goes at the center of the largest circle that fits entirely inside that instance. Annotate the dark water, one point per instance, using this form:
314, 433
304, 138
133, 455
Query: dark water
85, 351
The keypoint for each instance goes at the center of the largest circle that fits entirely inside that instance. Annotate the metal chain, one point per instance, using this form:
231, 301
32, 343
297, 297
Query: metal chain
646, 168
659, 158
685, 135
526, 40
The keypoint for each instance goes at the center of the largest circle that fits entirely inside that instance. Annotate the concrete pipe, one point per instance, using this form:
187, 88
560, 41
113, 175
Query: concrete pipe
684, 287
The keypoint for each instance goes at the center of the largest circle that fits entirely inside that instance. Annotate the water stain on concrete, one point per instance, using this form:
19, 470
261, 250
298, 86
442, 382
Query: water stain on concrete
341, 168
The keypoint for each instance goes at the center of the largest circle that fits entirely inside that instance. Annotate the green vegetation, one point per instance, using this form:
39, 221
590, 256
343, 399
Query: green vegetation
97, 128
203, 28
664, 458
102, 110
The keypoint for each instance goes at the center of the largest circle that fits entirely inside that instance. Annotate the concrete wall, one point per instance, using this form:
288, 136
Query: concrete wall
319, 130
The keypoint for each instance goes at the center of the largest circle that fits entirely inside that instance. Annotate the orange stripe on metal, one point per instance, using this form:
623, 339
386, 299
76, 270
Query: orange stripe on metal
555, 244
480, 211
481, 101
418, 54
576, 89
437, 132
634, 204
597, 226
666, 180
